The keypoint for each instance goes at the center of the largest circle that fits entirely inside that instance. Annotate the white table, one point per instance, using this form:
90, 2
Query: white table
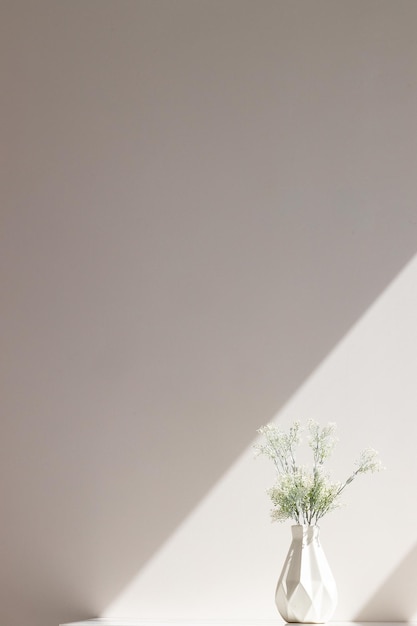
111, 621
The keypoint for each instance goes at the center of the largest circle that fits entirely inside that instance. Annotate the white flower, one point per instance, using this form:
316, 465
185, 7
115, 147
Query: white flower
307, 494
368, 462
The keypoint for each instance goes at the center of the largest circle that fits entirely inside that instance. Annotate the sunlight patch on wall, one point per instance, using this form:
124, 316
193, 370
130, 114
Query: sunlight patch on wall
224, 560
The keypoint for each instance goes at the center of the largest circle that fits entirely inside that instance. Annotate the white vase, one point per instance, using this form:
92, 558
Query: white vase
306, 590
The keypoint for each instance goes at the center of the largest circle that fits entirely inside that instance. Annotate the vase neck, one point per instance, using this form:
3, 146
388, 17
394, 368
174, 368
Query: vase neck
305, 532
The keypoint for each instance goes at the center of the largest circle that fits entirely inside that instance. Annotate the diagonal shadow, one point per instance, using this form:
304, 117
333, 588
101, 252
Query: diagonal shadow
113, 490
396, 598
160, 306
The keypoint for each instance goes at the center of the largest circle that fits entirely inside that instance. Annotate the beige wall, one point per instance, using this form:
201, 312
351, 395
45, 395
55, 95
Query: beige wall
199, 199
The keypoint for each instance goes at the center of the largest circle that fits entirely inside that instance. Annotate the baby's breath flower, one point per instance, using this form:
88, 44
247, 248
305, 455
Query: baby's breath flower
322, 440
307, 494
279, 446
368, 462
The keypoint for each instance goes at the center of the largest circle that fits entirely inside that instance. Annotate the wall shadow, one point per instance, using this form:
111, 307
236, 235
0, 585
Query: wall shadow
182, 244
395, 600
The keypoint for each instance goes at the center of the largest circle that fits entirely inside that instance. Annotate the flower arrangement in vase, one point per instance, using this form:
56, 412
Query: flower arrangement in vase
306, 590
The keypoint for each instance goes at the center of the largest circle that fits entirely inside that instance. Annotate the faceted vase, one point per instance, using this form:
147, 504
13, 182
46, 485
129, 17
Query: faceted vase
306, 590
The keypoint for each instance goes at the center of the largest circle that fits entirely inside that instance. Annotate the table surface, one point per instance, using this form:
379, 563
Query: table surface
111, 621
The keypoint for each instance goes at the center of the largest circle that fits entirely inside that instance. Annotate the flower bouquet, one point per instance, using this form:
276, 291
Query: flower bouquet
306, 590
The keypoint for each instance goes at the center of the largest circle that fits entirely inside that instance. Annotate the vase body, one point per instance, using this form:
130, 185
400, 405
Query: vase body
306, 590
